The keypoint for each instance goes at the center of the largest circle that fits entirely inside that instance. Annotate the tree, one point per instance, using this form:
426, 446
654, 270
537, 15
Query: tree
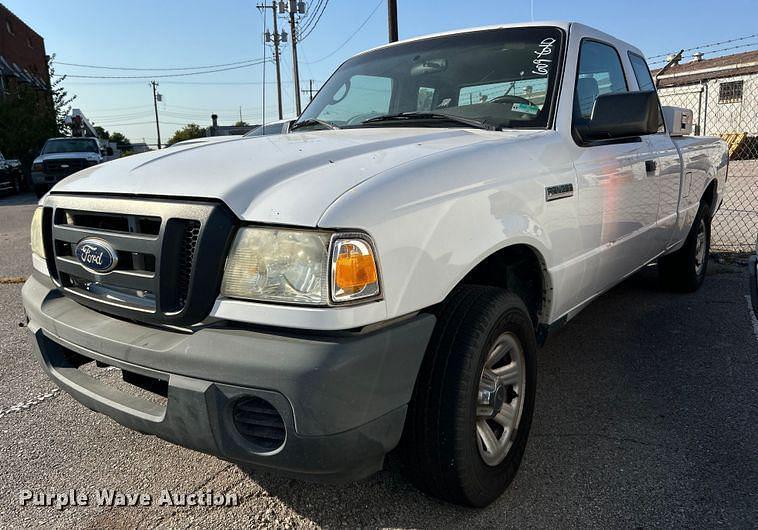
188, 132
101, 133
61, 100
242, 124
121, 141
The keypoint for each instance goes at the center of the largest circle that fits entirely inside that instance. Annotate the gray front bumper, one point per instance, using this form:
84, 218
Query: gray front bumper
343, 397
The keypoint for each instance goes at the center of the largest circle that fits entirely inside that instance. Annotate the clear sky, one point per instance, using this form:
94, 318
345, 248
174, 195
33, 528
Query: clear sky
187, 33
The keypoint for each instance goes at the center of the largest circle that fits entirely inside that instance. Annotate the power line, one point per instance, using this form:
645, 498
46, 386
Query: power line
168, 68
307, 20
704, 46
158, 76
309, 29
353, 34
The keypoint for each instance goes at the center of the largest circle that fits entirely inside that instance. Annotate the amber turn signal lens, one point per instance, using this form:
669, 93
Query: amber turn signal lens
355, 274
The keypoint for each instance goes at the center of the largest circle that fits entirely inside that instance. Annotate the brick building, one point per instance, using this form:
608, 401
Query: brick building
22, 55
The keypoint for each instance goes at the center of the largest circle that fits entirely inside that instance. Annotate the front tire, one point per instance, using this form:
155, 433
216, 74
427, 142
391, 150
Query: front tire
685, 269
469, 419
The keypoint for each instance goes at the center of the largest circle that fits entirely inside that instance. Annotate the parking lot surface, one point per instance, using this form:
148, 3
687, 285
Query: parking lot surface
647, 416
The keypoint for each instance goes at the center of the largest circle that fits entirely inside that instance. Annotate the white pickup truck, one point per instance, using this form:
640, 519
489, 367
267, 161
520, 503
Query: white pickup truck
382, 276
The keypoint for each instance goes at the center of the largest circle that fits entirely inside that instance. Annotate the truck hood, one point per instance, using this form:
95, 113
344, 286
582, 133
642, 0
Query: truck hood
285, 179
88, 155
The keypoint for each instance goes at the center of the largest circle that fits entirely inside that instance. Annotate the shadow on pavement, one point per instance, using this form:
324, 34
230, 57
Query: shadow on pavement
641, 420
18, 200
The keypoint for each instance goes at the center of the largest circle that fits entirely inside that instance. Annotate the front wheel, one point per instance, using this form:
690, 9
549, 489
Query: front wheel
469, 418
685, 269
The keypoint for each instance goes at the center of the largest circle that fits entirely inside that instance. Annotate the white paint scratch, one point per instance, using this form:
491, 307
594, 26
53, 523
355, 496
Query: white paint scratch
20, 407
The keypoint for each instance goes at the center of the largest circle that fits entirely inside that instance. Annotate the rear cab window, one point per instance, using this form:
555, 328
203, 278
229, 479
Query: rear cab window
645, 81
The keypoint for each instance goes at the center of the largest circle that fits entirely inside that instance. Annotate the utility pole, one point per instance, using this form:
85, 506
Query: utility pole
295, 8
156, 98
392, 19
309, 90
277, 39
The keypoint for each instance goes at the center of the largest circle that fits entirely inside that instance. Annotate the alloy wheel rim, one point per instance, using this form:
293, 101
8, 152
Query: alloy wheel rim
700, 248
500, 398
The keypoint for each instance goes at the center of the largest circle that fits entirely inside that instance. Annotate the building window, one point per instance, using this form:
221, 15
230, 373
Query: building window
730, 92
9, 27
29, 42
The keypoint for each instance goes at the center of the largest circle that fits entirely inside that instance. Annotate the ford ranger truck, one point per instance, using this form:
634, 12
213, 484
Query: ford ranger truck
381, 277
60, 157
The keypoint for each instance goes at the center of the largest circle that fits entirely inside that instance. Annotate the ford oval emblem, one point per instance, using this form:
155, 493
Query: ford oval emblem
96, 255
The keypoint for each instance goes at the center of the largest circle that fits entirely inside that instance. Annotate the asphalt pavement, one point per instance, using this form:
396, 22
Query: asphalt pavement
647, 416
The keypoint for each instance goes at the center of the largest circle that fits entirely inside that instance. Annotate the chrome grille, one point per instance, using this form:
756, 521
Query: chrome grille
64, 166
157, 245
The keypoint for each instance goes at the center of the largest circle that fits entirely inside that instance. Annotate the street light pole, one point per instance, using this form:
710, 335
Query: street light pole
392, 20
277, 40
155, 106
295, 71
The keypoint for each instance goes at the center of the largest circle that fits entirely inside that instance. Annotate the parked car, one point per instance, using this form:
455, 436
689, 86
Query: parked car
384, 277
61, 157
273, 128
11, 175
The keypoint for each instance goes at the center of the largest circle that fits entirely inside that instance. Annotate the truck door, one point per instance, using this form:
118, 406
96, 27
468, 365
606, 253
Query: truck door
617, 196
667, 165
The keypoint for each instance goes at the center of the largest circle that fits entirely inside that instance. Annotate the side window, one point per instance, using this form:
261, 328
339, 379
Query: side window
600, 72
365, 95
641, 72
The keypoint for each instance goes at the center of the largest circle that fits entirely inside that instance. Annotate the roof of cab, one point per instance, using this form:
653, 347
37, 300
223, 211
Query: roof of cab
561, 24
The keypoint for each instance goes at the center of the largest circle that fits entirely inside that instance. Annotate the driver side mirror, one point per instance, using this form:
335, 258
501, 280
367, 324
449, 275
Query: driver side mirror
623, 115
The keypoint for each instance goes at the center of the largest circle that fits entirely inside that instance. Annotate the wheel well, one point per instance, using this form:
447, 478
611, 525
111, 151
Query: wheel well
709, 195
521, 270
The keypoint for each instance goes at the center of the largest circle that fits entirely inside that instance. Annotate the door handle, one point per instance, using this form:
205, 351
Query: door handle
650, 165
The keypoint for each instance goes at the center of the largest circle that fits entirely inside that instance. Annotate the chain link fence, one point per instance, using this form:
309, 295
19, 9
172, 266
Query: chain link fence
728, 108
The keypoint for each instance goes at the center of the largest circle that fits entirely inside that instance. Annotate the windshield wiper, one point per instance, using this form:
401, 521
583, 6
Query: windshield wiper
406, 116
313, 121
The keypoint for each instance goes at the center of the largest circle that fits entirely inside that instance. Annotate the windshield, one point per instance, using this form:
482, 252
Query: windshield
70, 145
501, 78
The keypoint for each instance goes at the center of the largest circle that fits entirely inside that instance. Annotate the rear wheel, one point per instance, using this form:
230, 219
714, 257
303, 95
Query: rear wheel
685, 269
469, 418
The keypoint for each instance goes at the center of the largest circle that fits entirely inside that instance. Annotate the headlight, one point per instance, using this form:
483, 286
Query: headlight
38, 246
294, 266
38, 166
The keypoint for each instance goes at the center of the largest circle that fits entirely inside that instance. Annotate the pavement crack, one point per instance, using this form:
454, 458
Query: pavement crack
20, 407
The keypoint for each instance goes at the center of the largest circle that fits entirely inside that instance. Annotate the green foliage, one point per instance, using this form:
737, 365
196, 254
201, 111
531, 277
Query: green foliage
27, 121
101, 133
121, 141
188, 132
61, 99
242, 124
30, 116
